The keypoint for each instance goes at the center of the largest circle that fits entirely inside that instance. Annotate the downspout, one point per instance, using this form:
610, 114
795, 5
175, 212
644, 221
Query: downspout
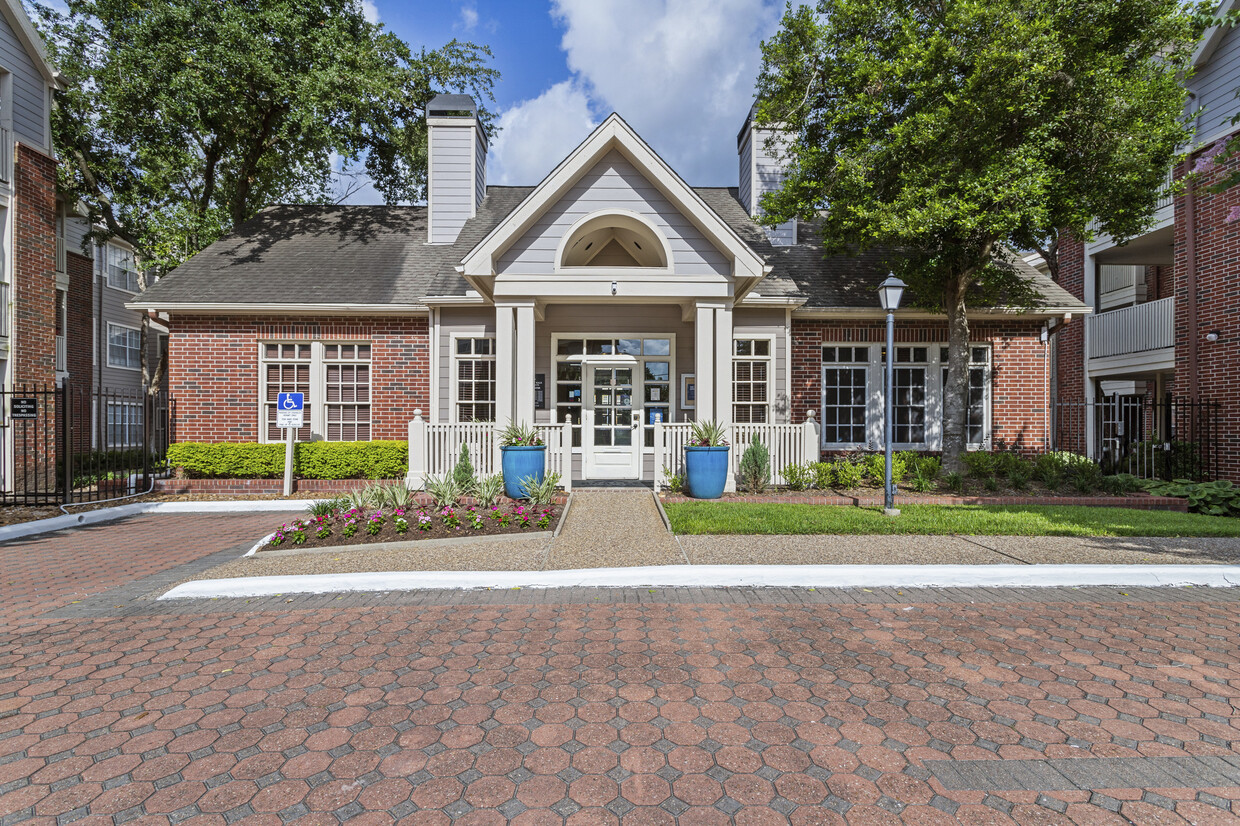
1190, 278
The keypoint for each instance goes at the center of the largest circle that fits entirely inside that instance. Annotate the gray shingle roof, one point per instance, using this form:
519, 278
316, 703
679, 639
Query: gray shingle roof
310, 254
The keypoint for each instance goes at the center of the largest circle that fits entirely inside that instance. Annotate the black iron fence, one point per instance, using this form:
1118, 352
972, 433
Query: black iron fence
1154, 438
80, 444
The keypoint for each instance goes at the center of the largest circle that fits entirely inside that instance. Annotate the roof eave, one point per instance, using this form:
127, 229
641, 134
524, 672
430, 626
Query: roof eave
257, 308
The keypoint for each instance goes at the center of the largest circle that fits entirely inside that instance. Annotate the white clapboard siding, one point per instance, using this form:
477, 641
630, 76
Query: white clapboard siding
1136, 329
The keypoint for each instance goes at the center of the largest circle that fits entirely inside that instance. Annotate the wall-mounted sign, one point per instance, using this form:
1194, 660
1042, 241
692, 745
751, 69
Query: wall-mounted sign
26, 407
688, 391
540, 391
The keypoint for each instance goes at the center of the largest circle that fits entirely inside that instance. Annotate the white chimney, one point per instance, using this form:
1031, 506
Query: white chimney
761, 171
456, 165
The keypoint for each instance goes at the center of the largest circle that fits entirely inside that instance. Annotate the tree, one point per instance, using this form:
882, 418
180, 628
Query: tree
951, 132
183, 118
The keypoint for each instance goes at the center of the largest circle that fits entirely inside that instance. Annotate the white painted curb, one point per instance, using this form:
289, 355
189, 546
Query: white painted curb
711, 576
73, 520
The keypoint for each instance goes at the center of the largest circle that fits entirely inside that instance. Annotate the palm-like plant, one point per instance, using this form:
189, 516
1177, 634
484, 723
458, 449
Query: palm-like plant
709, 433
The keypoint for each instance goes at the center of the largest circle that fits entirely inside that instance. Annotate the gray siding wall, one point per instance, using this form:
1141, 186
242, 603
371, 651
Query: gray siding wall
110, 309
768, 177
29, 92
451, 180
480, 168
75, 237
613, 183
476, 323
744, 178
1215, 86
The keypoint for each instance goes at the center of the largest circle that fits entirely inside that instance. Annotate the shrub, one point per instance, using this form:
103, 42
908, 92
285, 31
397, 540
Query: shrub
991, 483
1048, 476
312, 460
980, 464
824, 474
1213, 498
755, 467
1066, 464
1087, 478
954, 482
1018, 479
798, 477
463, 473
929, 466
922, 479
848, 474
876, 467
393, 496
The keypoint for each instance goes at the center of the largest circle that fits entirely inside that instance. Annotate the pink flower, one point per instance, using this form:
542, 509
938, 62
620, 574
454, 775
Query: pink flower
1205, 161
1233, 215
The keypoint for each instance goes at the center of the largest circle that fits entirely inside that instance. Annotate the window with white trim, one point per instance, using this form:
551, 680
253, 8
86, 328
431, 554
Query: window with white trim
122, 271
124, 347
909, 379
346, 394
286, 368
845, 395
124, 424
475, 380
751, 371
979, 380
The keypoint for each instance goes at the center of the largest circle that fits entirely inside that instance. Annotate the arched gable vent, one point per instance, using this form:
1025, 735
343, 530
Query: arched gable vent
614, 239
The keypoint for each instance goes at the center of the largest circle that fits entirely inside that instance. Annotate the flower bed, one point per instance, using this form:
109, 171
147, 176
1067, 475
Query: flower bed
355, 526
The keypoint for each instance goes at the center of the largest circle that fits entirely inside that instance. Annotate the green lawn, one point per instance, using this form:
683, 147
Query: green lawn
977, 520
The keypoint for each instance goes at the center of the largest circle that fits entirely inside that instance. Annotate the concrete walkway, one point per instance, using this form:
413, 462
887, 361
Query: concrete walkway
610, 528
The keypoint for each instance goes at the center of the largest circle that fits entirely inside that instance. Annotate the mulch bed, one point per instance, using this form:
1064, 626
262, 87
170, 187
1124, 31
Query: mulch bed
420, 524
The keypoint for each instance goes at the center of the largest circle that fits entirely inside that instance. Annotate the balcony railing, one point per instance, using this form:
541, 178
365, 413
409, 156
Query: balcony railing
1166, 198
4, 309
1136, 329
62, 355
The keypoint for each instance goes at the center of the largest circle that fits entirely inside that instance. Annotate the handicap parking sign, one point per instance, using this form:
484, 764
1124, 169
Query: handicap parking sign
289, 409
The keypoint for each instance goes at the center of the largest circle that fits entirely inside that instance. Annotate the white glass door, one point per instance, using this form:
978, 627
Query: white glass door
612, 440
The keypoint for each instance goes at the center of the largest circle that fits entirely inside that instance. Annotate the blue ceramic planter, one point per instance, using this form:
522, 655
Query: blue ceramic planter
707, 471
518, 463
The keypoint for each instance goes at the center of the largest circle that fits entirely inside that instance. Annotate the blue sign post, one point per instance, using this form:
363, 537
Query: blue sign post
290, 415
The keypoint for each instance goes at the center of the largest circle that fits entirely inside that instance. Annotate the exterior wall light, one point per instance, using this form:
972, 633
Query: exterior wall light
1212, 336
889, 294
614, 286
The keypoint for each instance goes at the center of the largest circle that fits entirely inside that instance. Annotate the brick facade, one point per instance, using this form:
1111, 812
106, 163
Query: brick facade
34, 269
213, 364
81, 331
1070, 339
1020, 368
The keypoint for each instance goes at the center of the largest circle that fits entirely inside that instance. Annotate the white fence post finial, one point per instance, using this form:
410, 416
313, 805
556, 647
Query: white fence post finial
416, 476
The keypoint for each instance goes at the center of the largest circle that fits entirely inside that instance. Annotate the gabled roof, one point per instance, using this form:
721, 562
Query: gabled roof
612, 134
20, 22
1213, 37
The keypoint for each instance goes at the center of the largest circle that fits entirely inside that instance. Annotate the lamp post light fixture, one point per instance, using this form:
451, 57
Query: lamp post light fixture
889, 294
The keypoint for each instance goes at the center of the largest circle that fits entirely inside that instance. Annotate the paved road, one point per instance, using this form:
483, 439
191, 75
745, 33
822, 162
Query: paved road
726, 705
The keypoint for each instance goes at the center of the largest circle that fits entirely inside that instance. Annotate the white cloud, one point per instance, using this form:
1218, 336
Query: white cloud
469, 18
536, 134
370, 11
681, 72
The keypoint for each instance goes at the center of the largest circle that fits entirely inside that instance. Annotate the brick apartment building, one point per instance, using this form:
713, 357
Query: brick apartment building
1165, 326
611, 294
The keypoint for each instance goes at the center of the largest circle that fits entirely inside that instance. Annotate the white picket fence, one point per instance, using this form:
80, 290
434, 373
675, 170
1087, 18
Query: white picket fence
787, 444
435, 448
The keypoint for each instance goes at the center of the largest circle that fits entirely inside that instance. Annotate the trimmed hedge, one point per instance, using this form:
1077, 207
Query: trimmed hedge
312, 460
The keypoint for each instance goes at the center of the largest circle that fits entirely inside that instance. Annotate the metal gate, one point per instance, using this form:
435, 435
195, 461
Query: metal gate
60, 445
1154, 438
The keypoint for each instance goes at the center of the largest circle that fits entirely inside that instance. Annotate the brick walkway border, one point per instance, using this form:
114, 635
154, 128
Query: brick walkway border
1137, 501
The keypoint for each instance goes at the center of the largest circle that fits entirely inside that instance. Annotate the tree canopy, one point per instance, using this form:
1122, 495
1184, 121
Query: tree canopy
951, 132
183, 118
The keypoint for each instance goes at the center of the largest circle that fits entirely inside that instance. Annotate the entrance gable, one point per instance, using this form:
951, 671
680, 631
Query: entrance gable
615, 186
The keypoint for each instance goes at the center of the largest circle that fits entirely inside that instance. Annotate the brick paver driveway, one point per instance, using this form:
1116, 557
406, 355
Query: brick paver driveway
1091, 706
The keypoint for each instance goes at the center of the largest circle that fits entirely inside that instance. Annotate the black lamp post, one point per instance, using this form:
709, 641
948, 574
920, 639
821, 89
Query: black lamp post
889, 294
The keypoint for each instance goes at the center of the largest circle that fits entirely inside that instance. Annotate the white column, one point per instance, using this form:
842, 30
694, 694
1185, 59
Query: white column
704, 361
523, 374
723, 365
504, 362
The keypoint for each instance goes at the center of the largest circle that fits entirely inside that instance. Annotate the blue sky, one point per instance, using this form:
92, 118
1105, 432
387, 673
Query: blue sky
681, 72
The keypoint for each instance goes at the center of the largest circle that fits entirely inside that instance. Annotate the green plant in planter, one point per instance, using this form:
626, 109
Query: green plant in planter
520, 434
708, 433
463, 473
755, 468
798, 477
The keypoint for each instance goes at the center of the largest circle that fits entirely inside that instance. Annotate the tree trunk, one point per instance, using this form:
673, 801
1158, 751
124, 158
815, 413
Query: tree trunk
956, 391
